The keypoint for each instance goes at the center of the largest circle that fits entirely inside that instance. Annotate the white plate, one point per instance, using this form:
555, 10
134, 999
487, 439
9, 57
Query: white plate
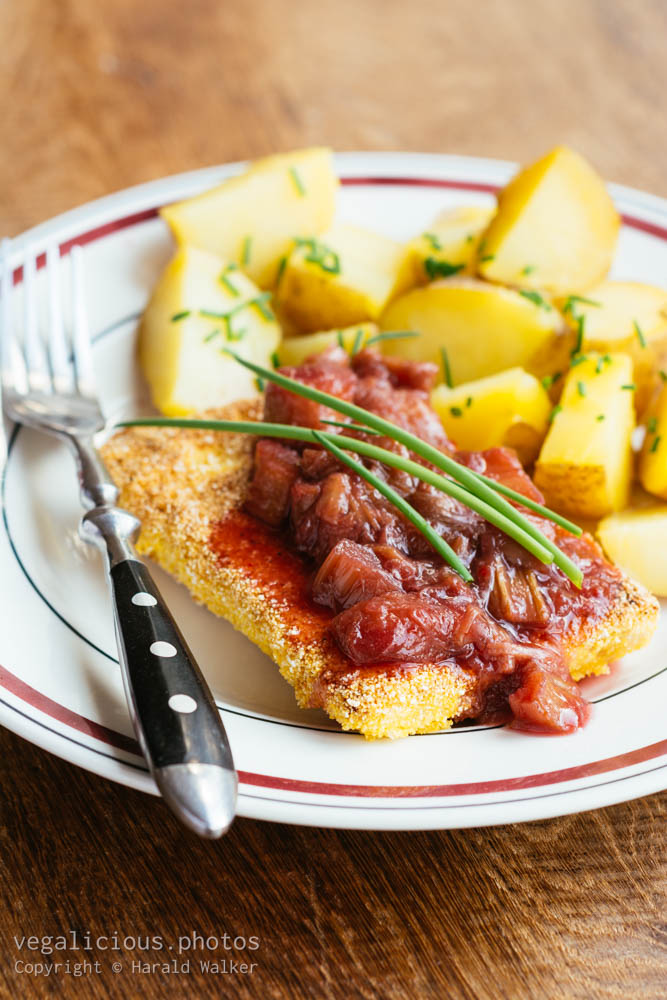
60, 685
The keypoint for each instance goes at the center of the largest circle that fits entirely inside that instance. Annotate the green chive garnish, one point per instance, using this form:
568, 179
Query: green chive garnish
630, 387
580, 320
391, 335
357, 342
275, 360
440, 268
245, 251
181, 315
210, 336
600, 416
654, 446
528, 269
487, 257
298, 183
554, 413
572, 300
468, 402
320, 254
663, 374
282, 264
259, 382
535, 298
456, 411
481, 486
581, 388
433, 240
259, 302
446, 370
549, 380
578, 359
227, 283
640, 335
350, 426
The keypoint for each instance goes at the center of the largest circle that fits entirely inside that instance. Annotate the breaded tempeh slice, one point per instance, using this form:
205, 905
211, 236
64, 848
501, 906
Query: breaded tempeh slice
187, 487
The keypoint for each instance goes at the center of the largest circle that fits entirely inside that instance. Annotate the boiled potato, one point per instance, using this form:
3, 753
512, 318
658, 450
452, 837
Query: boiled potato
623, 316
555, 228
510, 408
346, 277
295, 350
482, 328
653, 457
251, 219
585, 465
180, 348
450, 245
636, 540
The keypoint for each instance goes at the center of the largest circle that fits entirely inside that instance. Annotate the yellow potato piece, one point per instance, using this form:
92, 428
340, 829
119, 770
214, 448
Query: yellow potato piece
346, 277
180, 349
653, 457
585, 465
624, 316
295, 350
636, 540
252, 219
483, 329
450, 243
555, 228
510, 409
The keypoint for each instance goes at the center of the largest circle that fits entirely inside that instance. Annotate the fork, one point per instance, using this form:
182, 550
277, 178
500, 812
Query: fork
50, 387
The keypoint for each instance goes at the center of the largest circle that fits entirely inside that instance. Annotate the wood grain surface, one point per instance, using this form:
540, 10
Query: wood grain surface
97, 95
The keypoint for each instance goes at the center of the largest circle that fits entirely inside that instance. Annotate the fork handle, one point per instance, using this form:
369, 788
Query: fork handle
174, 714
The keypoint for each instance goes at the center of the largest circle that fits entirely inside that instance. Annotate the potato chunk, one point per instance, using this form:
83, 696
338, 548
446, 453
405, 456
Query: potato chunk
624, 316
450, 245
653, 458
482, 328
295, 350
585, 465
346, 277
252, 219
510, 409
636, 540
555, 228
192, 314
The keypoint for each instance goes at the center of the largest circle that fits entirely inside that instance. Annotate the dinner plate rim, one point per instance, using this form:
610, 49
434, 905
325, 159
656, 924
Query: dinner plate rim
437, 169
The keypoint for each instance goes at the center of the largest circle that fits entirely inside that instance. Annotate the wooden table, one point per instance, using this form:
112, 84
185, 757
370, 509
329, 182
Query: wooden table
95, 96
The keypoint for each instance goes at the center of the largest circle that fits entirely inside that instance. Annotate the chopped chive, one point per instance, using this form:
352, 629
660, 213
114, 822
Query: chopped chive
228, 284
433, 240
470, 237
235, 334
456, 411
487, 257
554, 413
275, 360
663, 374
550, 380
320, 254
468, 402
528, 269
391, 335
439, 544
656, 443
572, 300
298, 183
181, 315
479, 486
282, 264
630, 386
581, 388
640, 335
440, 268
446, 370
211, 314
356, 343
598, 366
652, 425
339, 338
580, 320
600, 416
578, 359
259, 382
210, 336
535, 298
245, 251
260, 305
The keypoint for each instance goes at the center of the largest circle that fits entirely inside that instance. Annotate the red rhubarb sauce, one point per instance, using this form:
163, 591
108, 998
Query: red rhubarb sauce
351, 566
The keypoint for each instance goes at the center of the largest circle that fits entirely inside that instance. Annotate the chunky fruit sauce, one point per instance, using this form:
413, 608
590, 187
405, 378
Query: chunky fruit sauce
393, 600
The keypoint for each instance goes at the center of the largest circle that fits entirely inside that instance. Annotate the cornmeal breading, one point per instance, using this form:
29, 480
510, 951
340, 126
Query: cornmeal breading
187, 488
